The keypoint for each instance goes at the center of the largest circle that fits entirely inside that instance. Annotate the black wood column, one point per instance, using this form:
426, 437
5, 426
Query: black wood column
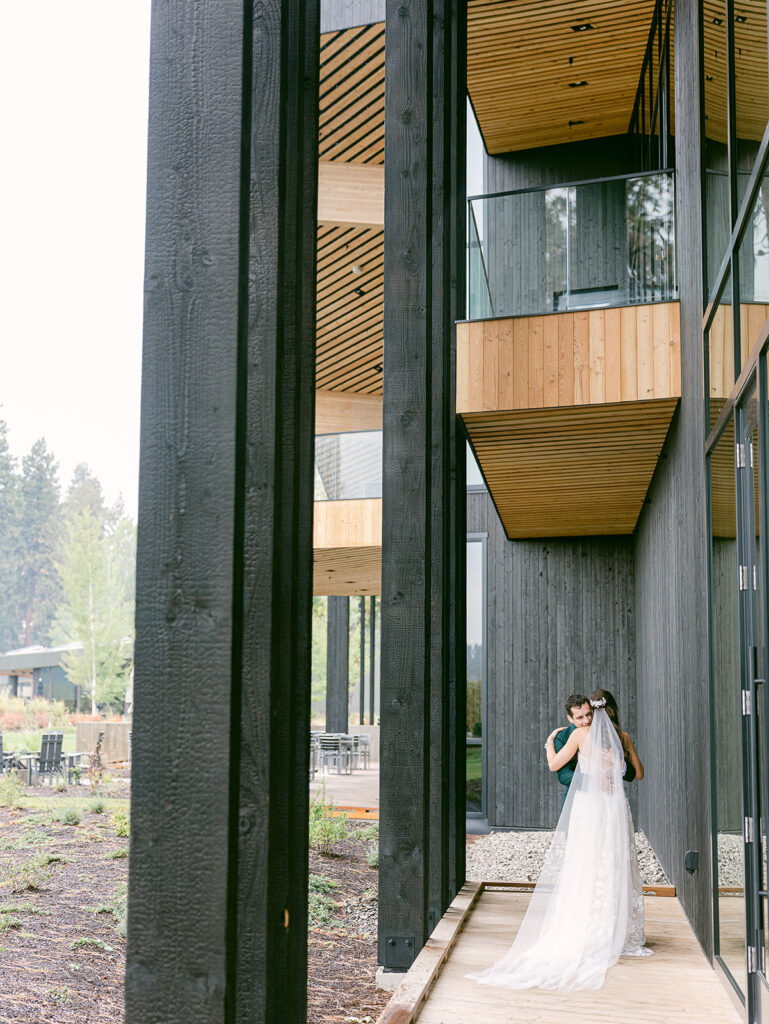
372, 664
337, 664
362, 694
217, 928
421, 856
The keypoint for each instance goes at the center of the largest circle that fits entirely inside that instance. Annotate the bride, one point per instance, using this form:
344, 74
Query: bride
587, 908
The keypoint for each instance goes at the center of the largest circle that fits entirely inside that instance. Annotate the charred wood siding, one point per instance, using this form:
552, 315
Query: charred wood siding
337, 664
671, 546
560, 620
224, 568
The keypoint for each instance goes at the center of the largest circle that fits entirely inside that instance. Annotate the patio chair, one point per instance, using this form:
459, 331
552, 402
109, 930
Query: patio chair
314, 755
363, 748
49, 761
335, 751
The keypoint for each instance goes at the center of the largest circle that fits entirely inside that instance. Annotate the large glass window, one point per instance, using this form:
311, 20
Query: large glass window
720, 340
725, 668
476, 672
754, 272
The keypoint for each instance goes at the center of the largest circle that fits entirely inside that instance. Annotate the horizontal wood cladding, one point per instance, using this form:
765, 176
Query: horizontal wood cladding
339, 411
351, 194
564, 359
753, 316
347, 543
523, 56
577, 471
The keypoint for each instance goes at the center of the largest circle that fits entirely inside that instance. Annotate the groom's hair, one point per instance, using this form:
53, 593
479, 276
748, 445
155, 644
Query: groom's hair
574, 700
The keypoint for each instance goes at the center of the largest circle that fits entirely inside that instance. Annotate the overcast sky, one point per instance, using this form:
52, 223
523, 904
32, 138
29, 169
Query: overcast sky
73, 76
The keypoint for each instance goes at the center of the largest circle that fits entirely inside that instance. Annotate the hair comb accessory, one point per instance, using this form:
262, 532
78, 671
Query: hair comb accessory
600, 703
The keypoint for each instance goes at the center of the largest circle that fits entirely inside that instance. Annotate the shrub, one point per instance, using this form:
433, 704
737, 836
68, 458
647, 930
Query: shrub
21, 876
326, 829
97, 806
320, 905
372, 857
11, 789
69, 816
369, 833
38, 713
121, 823
120, 854
8, 921
118, 907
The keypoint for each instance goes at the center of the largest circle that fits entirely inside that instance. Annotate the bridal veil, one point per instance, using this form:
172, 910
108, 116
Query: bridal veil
587, 908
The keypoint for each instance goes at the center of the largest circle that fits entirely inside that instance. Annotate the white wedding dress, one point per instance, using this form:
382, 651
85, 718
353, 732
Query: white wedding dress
587, 908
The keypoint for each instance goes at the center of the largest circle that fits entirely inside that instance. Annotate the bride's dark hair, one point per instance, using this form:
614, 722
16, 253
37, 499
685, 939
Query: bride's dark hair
611, 705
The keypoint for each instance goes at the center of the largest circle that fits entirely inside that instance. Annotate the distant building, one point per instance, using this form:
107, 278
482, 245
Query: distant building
37, 672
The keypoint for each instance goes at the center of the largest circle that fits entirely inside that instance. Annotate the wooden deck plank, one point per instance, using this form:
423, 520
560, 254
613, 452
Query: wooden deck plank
676, 985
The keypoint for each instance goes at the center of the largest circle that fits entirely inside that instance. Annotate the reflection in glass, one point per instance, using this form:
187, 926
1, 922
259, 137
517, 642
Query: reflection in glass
475, 676
717, 213
754, 273
598, 244
727, 699
721, 347
348, 465
474, 479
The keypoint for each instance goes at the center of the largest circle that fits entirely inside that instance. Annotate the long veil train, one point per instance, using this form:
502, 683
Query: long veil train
587, 908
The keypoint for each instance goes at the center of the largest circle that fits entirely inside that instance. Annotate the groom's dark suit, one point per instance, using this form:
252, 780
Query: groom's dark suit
565, 774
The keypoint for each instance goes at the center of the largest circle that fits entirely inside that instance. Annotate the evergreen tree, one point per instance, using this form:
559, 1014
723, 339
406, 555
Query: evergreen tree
38, 583
10, 545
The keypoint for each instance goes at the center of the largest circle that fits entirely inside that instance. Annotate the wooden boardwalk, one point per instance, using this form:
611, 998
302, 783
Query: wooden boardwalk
675, 985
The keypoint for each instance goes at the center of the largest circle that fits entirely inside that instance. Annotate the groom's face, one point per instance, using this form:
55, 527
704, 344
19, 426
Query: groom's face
581, 717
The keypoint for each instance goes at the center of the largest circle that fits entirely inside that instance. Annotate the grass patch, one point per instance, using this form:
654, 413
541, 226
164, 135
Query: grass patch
26, 875
97, 805
369, 832
86, 943
11, 790
120, 854
325, 831
27, 741
121, 823
7, 922
372, 857
69, 816
118, 907
320, 903
60, 995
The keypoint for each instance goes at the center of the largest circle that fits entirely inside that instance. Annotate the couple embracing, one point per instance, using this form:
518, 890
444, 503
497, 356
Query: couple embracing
587, 908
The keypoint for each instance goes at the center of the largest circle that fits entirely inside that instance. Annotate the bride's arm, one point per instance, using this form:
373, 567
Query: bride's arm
565, 754
633, 757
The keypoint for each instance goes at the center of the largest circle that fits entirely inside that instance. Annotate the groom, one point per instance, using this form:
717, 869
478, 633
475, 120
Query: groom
580, 715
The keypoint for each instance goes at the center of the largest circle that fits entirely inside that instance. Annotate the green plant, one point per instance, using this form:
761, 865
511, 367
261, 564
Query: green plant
97, 805
77, 771
60, 995
8, 921
85, 943
372, 857
22, 875
320, 905
368, 833
118, 854
121, 823
326, 829
118, 907
10, 790
60, 786
69, 816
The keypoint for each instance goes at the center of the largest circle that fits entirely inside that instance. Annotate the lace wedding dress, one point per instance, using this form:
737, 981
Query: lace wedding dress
587, 908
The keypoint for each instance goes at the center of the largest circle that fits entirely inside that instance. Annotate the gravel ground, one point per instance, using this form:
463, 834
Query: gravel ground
518, 856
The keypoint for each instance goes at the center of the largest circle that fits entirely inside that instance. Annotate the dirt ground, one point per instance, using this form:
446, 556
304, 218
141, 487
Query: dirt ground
62, 960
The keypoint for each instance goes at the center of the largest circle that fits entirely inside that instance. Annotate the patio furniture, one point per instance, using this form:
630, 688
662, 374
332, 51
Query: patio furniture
362, 746
48, 762
314, 755
335, 750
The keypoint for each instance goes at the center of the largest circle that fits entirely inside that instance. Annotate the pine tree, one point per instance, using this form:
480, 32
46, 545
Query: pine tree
10, 545
38, 584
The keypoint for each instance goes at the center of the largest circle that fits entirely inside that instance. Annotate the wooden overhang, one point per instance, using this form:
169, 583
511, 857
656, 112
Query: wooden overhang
567, 414
347, 547
536, 78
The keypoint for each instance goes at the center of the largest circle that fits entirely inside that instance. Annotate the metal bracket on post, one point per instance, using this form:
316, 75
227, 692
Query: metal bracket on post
748, 830
743, 578
740, 456
747, 702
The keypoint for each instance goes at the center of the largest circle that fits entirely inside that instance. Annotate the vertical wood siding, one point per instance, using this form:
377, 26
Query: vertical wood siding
560, 620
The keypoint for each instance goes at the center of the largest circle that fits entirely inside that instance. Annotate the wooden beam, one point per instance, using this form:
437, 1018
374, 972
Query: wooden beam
348, 571
337, 412
354, 523
350, 194
421, 862
225, 518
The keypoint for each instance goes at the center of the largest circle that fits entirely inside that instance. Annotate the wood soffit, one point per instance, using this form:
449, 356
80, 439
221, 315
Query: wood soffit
579, 471
523, 54
750, 47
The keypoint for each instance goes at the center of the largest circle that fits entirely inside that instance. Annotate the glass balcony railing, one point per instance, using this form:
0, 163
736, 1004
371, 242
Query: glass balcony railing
582, 246
348, 465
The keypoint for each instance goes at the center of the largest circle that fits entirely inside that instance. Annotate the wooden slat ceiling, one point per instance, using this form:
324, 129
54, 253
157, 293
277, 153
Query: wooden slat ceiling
349, 303
347, 571
750, 43
352, 95
582, 471
522, 55
349, 309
